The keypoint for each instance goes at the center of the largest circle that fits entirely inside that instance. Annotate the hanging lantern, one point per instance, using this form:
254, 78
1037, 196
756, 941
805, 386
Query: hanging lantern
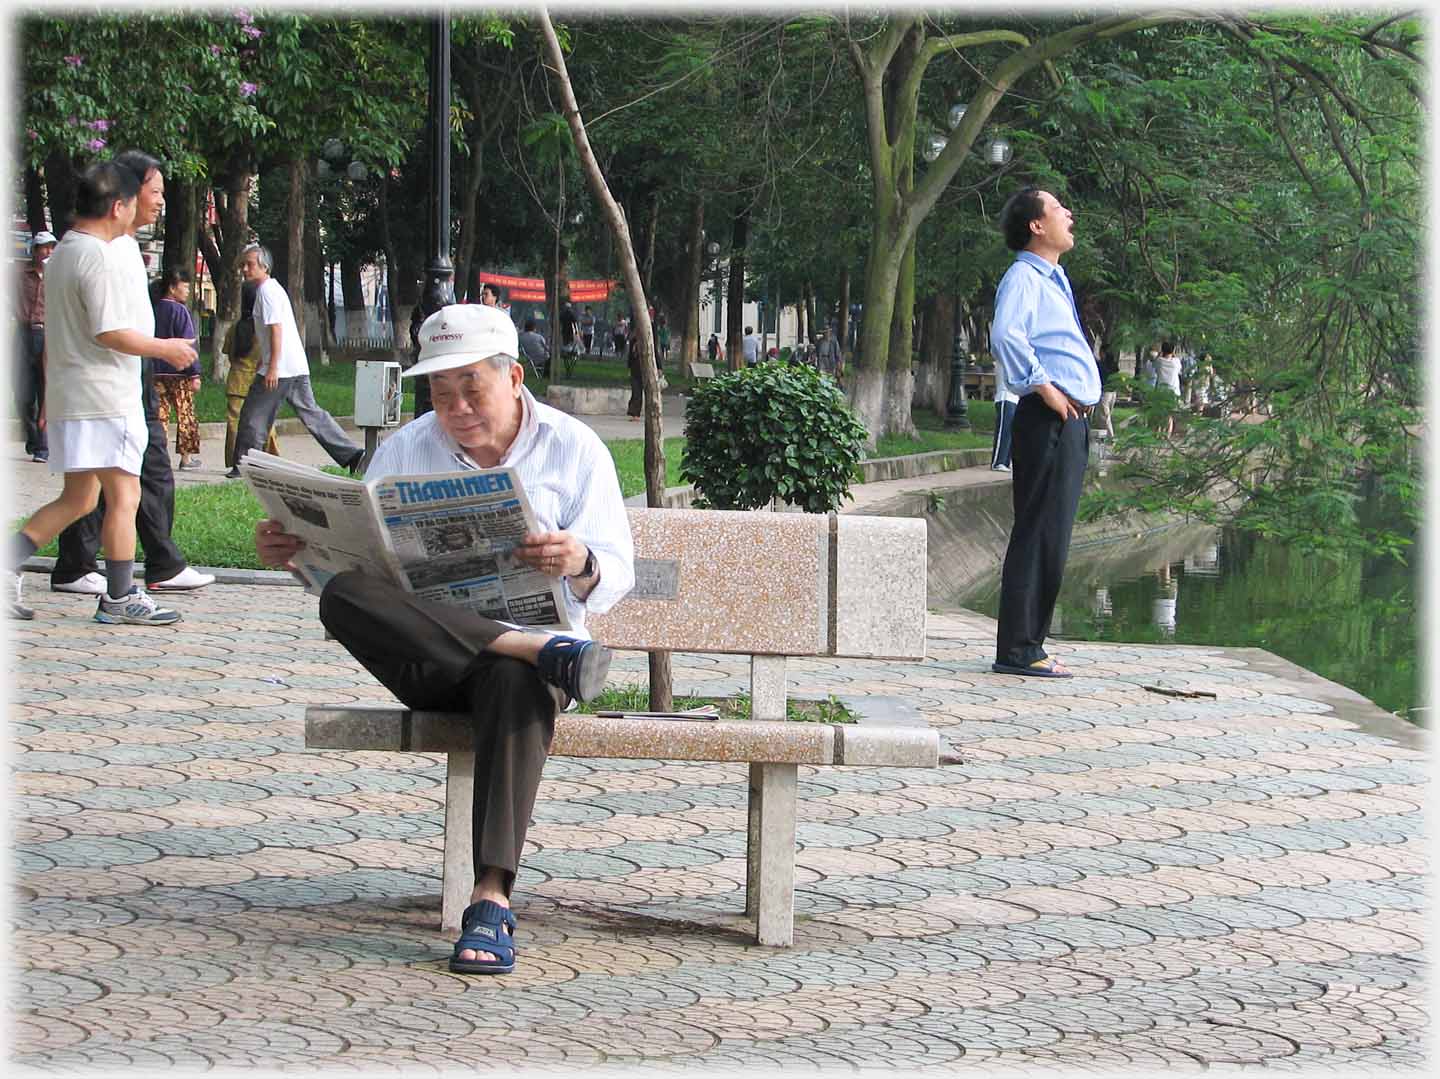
999, 152
322, 169
933, 147
957, 113
333, 149
356, 171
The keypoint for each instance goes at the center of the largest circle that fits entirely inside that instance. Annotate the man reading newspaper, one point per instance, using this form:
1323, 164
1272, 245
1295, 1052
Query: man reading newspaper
440, 656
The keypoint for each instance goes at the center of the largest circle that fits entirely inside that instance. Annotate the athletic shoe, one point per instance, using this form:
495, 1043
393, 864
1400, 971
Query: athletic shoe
12, 595
92, 584
134, 608
188, 462
999, 468
40, 458
187, 580
233, 474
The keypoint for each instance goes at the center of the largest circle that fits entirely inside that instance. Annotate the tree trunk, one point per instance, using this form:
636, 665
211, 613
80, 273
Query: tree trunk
882, 278
843, 330
234, 226
932, 379
60, 191
181, 233
694, 270
295, 242
651, 228
735, 298
34, 201
810, 328
320, 336
660, 682
899, 379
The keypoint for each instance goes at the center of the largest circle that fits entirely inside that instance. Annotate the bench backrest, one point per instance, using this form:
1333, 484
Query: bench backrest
759, 583
702, 370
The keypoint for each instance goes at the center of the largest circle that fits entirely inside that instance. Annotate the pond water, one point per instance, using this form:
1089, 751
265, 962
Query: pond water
1349, 619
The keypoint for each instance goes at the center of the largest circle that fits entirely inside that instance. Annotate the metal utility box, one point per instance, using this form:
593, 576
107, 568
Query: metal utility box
377, 393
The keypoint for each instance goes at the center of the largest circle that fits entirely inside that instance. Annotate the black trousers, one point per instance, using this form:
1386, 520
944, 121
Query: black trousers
1048, 458
433, 658
154, 519
30, 388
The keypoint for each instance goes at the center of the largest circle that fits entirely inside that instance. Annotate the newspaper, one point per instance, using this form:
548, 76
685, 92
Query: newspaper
448, 537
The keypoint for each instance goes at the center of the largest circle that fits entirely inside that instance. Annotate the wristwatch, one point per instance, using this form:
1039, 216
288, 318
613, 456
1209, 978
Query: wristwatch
590, 568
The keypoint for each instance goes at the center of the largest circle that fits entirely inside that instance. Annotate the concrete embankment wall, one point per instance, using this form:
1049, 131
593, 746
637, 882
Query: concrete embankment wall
968, 533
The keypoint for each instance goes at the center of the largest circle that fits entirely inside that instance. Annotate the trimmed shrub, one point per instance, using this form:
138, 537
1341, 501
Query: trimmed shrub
774, 431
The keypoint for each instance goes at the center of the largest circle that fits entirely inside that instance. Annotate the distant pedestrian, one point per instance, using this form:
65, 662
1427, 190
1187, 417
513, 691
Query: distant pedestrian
30, 357
750, 346
1103, 422
587, 328
569, 336
284, 373
712, 349
489, 295
534, 349
1045, 358
619, 334
176, 389
1167, 377
827, 353
662, 339
242, 349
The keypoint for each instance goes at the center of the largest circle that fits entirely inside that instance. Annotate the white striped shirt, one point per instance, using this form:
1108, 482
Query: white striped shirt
567, 473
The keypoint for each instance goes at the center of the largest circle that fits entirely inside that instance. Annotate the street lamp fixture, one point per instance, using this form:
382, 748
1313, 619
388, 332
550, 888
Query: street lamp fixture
933, 147
998, 152
957, 113
333, 149
355, 171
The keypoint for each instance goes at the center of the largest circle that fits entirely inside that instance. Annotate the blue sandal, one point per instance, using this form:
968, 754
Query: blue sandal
485, 926
578, 667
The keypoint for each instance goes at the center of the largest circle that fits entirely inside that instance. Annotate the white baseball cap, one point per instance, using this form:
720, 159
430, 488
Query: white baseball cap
462, 334
42, 237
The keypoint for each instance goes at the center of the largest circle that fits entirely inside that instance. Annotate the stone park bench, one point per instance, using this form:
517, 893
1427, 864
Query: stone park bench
767, 585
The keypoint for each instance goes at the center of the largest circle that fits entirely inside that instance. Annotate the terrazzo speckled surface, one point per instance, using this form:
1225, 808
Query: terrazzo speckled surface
1110, 879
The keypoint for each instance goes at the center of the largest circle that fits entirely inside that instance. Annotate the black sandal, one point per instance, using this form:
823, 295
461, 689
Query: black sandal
578, 667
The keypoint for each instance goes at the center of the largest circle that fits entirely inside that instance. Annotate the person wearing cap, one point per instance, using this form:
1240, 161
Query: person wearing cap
438, 657
30, 358
284, 372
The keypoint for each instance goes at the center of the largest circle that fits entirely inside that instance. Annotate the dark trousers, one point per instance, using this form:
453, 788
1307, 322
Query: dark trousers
154, 518
1000, 444
30, 388
637, 387
1048, 457
432, 657
262, 404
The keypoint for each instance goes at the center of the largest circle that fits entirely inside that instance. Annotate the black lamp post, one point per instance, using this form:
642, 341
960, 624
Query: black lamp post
957, 416
440, 273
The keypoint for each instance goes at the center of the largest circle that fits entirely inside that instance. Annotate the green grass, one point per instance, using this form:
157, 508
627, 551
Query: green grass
930, 433
629, 457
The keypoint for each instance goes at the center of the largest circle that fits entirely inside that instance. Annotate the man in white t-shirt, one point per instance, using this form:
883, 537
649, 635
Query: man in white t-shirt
283, 374
751, 346
93, 411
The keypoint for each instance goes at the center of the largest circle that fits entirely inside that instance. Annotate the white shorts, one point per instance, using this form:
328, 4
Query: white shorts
103, 442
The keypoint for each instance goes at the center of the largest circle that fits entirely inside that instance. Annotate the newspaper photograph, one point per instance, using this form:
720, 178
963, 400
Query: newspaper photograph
447, 537
454, 536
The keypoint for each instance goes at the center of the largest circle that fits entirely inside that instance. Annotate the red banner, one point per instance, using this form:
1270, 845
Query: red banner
532, 289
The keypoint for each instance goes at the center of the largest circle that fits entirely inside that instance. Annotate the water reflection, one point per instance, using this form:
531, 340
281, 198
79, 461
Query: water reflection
1348, 618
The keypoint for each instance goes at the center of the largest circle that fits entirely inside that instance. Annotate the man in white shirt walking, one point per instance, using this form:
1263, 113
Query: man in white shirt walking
283, 374
438, 657
93, 408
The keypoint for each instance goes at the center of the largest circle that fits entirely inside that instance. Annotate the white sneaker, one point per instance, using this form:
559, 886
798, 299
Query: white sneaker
999, 468
92, 584
136, 609
186, 580
11, 586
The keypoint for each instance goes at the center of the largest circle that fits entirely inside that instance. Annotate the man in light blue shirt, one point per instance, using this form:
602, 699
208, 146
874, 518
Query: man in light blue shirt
1044, 356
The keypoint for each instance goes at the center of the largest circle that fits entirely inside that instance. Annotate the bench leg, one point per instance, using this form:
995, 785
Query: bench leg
770, 870
459, 869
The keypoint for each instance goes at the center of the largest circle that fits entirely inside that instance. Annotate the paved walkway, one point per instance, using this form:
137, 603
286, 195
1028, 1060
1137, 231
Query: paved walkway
1108, 878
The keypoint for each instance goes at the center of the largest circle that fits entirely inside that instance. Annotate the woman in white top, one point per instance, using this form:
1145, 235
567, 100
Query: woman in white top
1167, 376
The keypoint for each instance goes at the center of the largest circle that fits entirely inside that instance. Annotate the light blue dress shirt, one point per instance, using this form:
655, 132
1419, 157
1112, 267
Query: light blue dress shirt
1036, 335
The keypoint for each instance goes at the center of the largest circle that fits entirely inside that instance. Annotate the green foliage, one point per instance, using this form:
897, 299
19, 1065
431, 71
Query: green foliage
771, 432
